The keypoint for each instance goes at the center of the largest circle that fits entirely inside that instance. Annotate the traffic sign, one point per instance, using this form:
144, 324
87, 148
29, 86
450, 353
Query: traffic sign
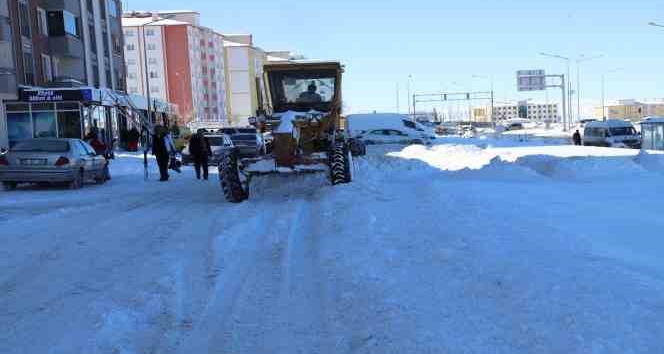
531, 80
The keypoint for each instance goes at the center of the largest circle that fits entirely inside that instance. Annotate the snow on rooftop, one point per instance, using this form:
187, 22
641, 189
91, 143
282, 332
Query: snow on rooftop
147, 21
235, 44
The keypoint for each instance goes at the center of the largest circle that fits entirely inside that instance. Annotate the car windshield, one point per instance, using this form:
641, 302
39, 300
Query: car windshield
618, 131
41, 146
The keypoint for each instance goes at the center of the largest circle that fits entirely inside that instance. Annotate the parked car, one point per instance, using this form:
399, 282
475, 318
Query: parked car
50, 160
218, 144
389, 136
611, 133
514, 126
361, 125
247, 141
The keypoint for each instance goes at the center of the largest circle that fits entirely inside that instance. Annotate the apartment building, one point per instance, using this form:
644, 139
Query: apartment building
63, 50
534, 111
246, 87
185, 63
631, 109
8, 88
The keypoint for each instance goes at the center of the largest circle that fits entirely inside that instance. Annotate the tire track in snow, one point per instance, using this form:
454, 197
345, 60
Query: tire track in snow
234, 261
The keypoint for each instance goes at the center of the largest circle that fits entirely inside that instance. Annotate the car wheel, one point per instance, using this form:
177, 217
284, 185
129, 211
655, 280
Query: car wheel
77, 182
9, 186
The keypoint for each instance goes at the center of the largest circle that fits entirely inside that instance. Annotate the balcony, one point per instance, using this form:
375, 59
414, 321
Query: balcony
65, 46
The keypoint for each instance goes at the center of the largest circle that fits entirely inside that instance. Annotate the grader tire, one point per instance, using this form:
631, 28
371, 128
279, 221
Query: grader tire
235, 191
340, 164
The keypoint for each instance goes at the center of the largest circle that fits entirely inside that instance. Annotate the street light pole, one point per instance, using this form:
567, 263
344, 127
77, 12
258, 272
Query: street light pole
567, 107
408, 89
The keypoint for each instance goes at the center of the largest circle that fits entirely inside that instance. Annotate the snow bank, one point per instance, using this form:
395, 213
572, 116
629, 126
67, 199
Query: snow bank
651, 160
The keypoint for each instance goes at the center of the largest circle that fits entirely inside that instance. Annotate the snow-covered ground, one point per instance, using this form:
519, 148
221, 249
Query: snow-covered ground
468, 246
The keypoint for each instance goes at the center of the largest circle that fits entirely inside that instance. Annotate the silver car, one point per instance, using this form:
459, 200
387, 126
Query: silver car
52, 161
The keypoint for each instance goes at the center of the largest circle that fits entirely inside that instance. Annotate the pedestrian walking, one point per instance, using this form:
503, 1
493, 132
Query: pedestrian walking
200, 150
162, 149
576, 137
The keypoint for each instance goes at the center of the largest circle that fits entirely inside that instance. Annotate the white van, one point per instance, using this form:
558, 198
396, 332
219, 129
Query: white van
388, 128
611, 133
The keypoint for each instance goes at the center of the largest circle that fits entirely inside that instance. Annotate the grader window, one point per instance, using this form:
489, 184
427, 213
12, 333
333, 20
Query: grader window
308, 90
299, 90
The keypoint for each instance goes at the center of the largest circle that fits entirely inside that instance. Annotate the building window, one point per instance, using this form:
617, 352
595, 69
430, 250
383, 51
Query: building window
112, 8
42, 23
102, 9
133, 89
93, 39
152, 61
109, 78
5, 29
152, 46
130, 47
131, 61
104, 39
71, 23
95, 75
24, 18
149, 32
154, 89
128, 33
28, 68
117, 46
46, 68
131, 76
55, 66
154, 75
61, 23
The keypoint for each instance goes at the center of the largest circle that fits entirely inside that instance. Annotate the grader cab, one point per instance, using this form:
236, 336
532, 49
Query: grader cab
303, 113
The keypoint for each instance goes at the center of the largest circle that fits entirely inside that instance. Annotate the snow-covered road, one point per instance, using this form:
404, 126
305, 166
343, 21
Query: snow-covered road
454, 248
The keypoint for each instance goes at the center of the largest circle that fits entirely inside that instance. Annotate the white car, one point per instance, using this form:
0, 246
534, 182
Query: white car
390, 136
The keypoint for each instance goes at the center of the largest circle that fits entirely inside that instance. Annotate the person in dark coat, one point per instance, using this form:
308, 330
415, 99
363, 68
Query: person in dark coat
200, 150
576, 137
162, 150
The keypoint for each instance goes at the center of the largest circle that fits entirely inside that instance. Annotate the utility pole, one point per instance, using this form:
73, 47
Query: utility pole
408, 89
397, 97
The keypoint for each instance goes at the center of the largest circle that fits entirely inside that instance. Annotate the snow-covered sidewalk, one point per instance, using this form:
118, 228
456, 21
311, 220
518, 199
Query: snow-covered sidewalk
451, 248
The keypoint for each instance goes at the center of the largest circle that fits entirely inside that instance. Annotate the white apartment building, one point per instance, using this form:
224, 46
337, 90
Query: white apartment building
245, 82
534, 111
185, 63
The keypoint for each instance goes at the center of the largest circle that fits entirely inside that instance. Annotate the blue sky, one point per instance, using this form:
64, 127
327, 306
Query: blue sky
442, 42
